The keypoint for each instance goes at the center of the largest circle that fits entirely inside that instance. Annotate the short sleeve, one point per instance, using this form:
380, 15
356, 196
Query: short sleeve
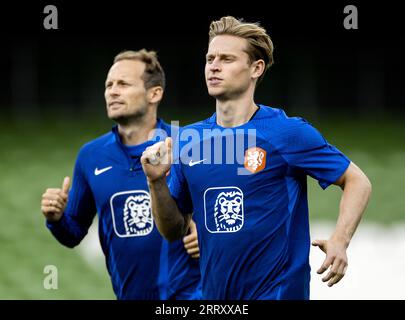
179, 189
308, 151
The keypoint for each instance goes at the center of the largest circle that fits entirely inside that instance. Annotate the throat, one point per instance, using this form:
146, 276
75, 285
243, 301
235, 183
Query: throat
133, 135
230, 116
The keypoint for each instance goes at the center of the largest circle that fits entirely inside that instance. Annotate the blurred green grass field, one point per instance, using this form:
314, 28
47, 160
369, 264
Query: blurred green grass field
35, 156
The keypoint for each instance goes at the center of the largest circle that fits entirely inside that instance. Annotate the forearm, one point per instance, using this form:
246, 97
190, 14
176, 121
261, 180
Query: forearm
75, 221
67, 231
172, 224
356, 194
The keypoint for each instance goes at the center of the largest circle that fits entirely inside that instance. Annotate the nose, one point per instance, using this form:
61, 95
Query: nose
215, 65
113, 90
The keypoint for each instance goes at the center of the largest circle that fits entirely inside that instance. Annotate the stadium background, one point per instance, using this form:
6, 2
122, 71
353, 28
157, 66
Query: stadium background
348, 83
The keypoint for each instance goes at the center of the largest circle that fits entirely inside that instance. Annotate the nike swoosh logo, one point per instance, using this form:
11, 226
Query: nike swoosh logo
191, 163
100, 171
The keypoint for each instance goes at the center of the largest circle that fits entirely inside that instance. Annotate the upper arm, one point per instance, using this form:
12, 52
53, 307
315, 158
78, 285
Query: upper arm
353, 172
341, 181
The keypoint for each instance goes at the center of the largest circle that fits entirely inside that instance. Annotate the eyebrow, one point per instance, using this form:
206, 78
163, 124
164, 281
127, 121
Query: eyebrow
120, 81
221, 55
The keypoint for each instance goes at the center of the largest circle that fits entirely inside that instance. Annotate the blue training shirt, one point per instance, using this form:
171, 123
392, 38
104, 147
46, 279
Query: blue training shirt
108, 179
247, 189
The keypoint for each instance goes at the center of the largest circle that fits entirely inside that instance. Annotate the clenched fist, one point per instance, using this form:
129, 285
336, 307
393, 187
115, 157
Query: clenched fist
157, 159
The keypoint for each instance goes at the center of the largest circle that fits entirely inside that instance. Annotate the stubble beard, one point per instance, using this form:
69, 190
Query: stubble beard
126, 119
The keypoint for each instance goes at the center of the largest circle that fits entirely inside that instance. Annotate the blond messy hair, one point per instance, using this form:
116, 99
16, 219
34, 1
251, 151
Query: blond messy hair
260, 45
153, 75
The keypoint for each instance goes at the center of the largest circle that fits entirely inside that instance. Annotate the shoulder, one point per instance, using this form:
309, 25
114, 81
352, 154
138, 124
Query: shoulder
190, 135
170, 130
288, 133
200, 125
94, 145
277, 117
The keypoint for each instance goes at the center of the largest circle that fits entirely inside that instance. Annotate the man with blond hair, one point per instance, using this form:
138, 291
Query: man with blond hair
250, 202
108, 179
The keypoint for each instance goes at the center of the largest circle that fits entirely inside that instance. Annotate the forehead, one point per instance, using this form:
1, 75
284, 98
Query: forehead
126, 69
227, 44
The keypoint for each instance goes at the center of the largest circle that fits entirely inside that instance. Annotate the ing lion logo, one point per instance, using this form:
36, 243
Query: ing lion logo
137, 215
228, 211
255, 159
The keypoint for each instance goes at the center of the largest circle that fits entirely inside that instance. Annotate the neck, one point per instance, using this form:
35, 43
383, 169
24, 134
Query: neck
137, 131
234, 113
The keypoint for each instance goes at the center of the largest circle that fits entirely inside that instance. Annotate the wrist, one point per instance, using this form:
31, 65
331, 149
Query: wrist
341, 239
54, 220
156, 182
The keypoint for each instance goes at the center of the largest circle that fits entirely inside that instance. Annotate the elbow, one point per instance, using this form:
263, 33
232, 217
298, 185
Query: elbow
70, 244
171, 237
368, 186
70, 241
172, 234
362, 181
66, 239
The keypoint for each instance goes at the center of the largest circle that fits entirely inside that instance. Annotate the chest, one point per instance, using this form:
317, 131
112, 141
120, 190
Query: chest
247, 168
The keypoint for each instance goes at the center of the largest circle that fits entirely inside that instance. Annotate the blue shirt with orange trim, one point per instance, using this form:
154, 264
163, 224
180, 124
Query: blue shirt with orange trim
247, 189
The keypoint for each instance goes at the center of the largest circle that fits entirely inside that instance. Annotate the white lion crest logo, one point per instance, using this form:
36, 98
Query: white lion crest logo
137, 215
228, 213
255, 159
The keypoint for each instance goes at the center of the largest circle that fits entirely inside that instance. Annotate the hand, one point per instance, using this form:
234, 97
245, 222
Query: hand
191, 241
157, 159
54, 201
336, 259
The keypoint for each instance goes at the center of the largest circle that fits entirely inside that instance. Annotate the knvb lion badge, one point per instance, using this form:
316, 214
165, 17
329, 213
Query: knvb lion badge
255, 159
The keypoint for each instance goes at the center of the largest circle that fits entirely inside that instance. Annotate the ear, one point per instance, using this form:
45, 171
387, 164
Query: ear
154, 94
257, 68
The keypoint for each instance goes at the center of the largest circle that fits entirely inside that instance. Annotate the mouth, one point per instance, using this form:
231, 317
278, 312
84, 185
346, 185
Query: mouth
214, 81
115, 104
